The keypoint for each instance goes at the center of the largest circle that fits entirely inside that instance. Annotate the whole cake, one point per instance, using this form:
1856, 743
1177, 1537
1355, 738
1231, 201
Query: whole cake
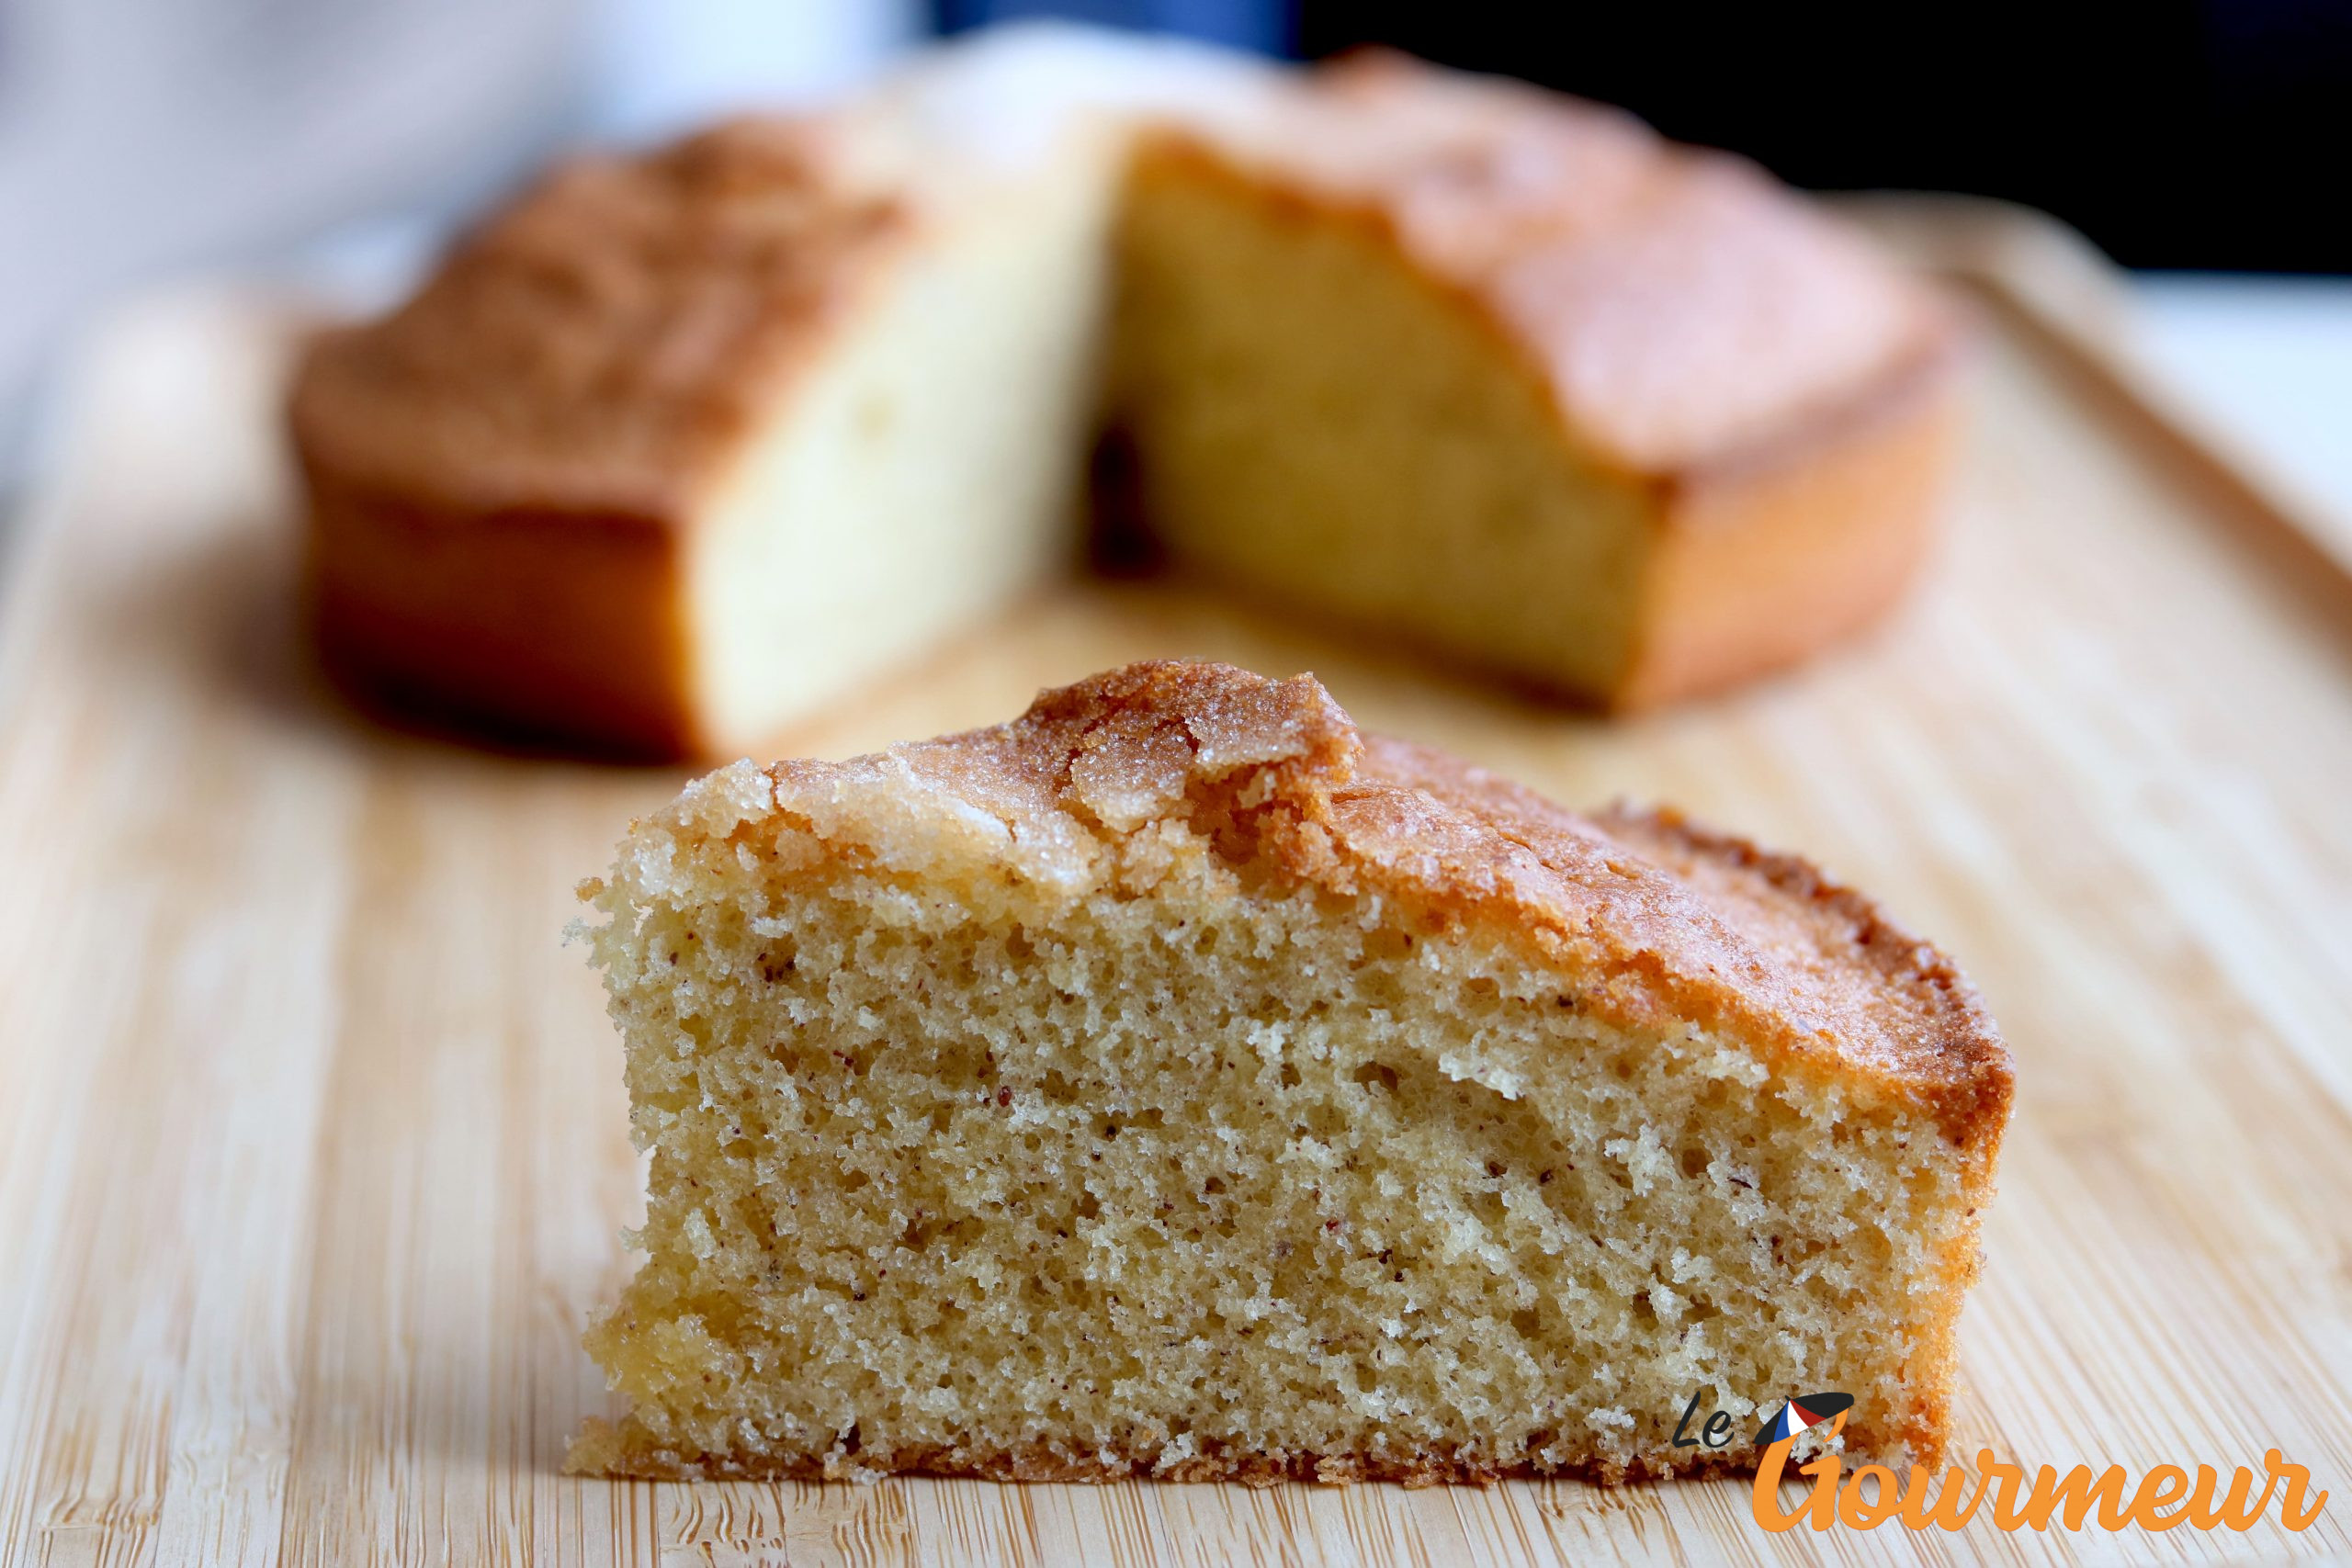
1175, 1081
683, 443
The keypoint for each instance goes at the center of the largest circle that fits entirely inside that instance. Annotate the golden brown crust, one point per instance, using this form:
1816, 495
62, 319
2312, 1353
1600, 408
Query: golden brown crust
1661, 921
1685, 311
600, 345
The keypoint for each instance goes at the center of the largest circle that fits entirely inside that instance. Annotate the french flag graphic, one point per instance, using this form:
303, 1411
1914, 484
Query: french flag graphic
1798, 1415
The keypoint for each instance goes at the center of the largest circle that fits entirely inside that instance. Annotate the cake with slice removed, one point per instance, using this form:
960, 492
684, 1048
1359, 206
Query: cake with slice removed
686, 443
1177, 1082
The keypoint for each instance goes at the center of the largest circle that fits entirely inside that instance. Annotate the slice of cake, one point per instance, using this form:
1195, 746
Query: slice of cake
1176, 1082
685, 443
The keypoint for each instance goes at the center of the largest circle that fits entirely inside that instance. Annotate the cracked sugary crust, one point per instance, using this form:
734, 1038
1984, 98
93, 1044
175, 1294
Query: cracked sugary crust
1663, 921
1652, 920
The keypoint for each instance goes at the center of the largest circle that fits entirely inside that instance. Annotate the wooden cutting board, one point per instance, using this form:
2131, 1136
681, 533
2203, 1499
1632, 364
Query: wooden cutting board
312, 1153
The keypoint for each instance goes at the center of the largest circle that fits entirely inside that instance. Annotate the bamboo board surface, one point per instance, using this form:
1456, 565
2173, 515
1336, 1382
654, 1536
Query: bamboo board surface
312, 1151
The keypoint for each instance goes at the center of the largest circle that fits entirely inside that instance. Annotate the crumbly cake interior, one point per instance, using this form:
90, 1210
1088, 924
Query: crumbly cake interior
1194, 1172
922, 473
1317, 419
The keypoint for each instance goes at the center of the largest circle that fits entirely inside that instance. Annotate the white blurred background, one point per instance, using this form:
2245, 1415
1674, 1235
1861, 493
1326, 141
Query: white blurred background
335, 141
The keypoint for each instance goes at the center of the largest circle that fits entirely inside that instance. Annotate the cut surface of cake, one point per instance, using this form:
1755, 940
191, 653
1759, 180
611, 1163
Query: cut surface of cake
683, 444
1177, 1082
687, 442
1504, 376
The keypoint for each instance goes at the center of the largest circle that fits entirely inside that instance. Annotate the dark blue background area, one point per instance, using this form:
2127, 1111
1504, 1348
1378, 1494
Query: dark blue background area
1269, 29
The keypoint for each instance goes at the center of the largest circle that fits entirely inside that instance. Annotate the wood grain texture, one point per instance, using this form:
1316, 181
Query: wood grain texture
312, 1152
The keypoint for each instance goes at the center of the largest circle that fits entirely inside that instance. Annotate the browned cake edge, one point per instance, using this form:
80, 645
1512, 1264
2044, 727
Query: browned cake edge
602, 1449
538, 625
1769, 559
